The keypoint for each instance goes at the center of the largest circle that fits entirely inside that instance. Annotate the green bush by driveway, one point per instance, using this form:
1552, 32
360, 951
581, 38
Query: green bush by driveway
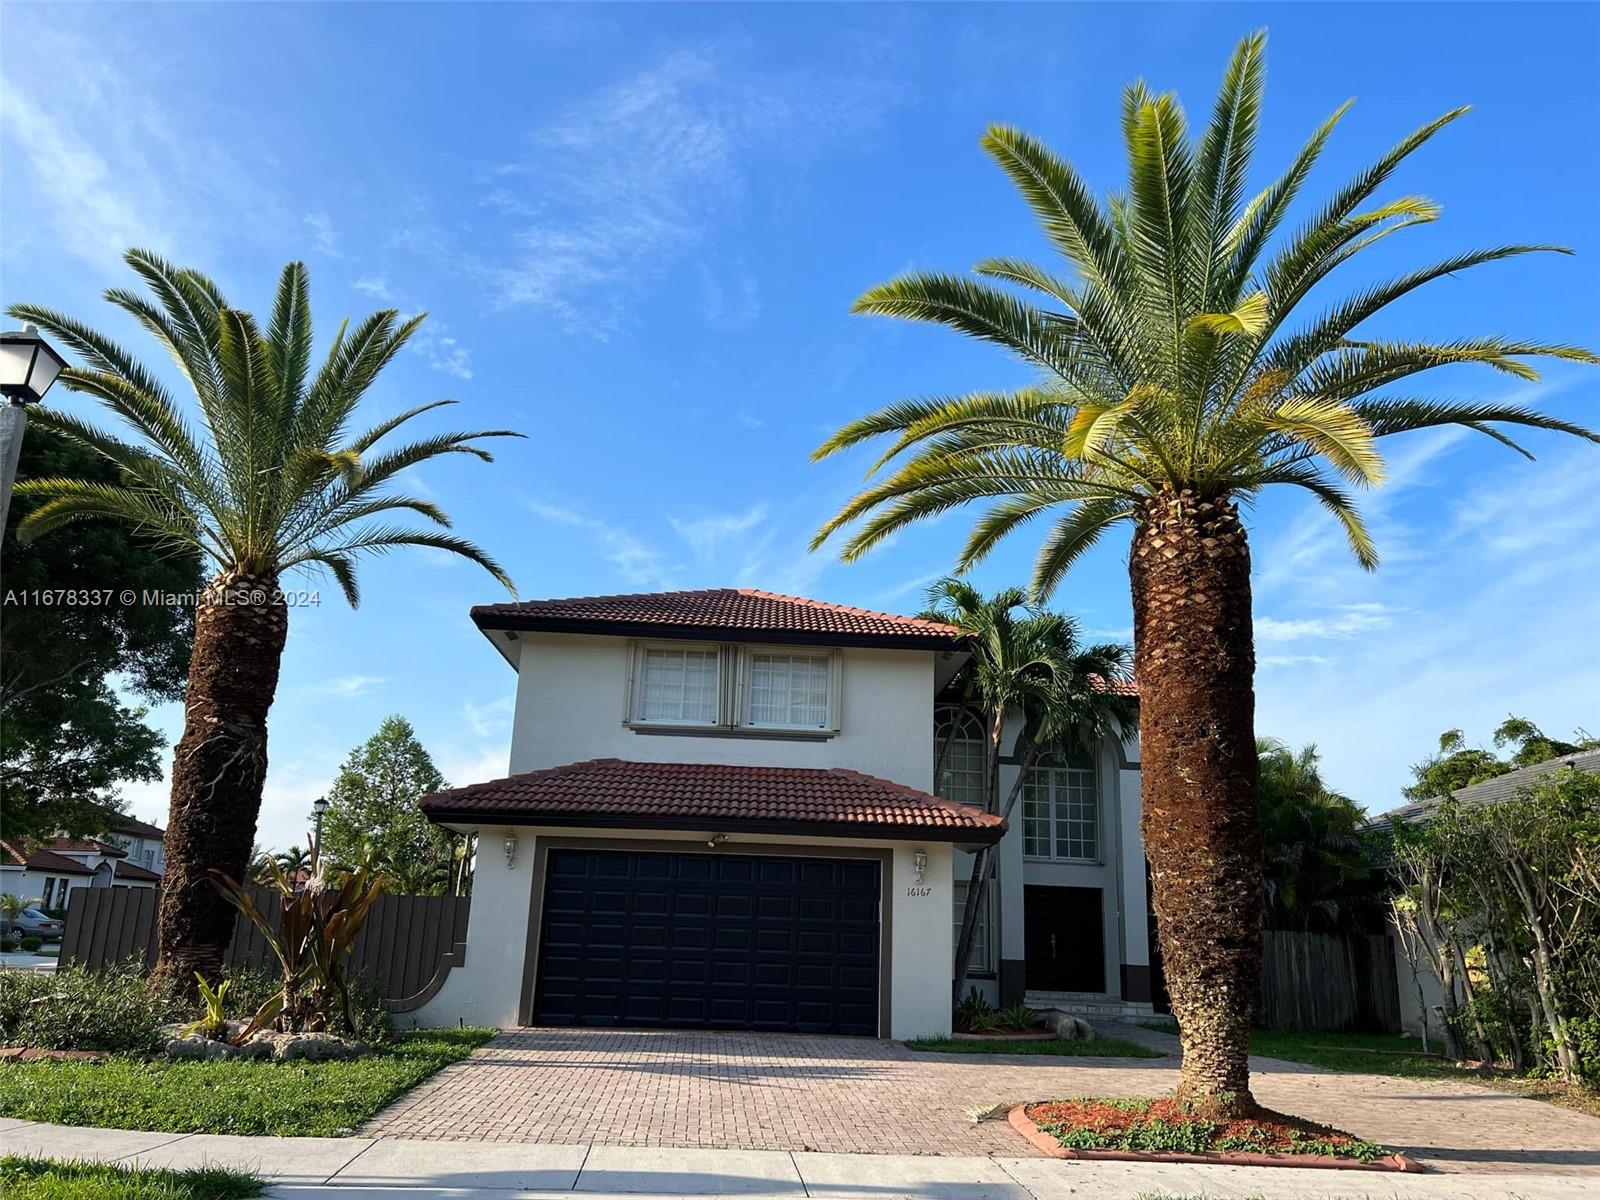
326, 1099
40, 1179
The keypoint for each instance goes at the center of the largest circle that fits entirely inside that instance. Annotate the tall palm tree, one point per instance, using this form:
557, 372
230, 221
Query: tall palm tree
1030, 664
272, 479
1173, 381
292, 861
1318, 865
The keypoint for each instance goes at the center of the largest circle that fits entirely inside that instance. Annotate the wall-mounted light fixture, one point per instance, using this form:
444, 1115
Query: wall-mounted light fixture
919, 862
716, 840
511, 849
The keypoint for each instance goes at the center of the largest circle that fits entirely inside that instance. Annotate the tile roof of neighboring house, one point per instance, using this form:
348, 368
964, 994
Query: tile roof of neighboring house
83, 846
137, 828
730, 613
136, 873
609, 793
1491, 791
36, 859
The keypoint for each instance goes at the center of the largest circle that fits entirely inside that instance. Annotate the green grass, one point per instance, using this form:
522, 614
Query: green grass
1099, 1047
286, 1099
40, 1179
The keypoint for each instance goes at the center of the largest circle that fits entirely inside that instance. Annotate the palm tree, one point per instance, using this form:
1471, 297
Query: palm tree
1318, 866
291, 861
273, 479
1026, 663
1172, 383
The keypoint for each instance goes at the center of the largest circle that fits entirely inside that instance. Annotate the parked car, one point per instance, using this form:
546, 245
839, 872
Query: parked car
30, 921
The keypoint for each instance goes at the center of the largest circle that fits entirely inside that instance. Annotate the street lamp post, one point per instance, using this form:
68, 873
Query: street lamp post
318, 806
28, 366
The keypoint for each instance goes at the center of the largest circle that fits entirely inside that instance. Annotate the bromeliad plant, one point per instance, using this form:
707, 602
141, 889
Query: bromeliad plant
317, 924
213, 1022
1178, 374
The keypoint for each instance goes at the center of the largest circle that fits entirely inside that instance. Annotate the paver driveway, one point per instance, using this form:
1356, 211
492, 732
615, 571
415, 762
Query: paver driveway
864, 1096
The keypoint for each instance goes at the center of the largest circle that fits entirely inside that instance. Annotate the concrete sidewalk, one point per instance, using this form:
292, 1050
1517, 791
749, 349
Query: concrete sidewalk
392, 1168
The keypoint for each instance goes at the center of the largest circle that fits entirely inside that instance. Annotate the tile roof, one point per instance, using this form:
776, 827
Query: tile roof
133, 871
32, 858
1491, 791
83, 846
718, 612
610, 793
137, 828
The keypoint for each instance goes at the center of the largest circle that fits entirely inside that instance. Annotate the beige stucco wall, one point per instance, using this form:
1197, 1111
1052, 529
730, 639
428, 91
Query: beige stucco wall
488, 989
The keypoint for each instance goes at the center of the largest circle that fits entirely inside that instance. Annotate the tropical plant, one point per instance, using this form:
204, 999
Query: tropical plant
292, 861
317, 924
1173, 383
13, 906
1319, 865
272, 479
1029, 664
213, 1021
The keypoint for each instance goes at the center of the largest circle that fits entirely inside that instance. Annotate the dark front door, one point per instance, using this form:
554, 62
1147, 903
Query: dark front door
709, 941
1063, 939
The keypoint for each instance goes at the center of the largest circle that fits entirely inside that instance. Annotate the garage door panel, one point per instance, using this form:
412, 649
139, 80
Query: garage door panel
709, 941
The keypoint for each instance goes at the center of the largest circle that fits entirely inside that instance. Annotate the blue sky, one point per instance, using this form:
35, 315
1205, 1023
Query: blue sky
639, 229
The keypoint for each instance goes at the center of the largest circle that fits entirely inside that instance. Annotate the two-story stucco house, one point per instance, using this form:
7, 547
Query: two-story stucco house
721, 813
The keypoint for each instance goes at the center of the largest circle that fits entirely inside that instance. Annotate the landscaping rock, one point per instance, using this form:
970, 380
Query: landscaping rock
310, 1047
1066, 1025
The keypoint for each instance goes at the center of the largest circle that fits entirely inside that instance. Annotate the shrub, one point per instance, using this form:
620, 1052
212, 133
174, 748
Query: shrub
374, 1021
78, 1009
31, 943
973, 1013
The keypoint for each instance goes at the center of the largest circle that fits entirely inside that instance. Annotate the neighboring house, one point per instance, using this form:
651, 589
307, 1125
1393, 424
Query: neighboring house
49, 869
1417, 1014
144, 843
721, 814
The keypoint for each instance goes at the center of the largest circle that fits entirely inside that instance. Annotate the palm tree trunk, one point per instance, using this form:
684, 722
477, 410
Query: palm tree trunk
1194, 657
218, 769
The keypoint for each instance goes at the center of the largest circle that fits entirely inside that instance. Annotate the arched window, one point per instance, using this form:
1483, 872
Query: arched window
958, 755
1060, 808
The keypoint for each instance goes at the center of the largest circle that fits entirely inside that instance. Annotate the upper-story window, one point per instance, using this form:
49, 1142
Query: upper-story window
1060, 810
958, 755
735, 688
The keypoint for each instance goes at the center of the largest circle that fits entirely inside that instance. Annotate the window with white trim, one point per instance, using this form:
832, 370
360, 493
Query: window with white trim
678, 685
978, 961
788, 691
1060, 810
958, 755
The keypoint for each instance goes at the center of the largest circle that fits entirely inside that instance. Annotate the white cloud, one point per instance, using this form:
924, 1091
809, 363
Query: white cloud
1345, 622
708, 535
637, 562
749, 422
323, 234
346, 686
731, 305
376, 286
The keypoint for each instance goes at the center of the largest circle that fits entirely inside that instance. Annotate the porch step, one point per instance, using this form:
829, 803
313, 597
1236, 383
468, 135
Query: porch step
1090, 1004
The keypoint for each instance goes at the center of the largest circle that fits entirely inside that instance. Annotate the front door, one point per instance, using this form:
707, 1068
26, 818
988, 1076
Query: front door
1063, 939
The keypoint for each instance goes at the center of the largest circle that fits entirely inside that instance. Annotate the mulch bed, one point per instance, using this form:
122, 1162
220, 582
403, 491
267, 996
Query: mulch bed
1163, 1130
33, 1054
1005, 1035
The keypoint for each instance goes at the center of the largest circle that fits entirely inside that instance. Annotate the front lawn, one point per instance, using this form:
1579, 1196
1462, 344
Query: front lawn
1402, 1057
40, 1179
328, 1099
1097, 1047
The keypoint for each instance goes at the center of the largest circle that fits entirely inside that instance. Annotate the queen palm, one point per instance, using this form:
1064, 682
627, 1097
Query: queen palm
1176, 375
1028, 664
271, 478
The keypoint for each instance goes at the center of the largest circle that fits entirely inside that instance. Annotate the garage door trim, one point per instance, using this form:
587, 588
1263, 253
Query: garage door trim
543, 845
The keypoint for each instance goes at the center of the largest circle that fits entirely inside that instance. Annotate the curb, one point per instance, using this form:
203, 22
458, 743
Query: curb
1041, 1141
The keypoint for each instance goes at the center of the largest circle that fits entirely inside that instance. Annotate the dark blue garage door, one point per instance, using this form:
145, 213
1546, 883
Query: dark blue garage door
709, 941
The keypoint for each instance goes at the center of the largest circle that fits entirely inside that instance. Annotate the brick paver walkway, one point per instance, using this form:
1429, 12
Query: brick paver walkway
860, 1095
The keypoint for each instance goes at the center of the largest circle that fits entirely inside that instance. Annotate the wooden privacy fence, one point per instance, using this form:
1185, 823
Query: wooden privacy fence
1329, 983
407, 947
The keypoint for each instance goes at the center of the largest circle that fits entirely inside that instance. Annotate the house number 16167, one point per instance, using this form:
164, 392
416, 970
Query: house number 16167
919, 889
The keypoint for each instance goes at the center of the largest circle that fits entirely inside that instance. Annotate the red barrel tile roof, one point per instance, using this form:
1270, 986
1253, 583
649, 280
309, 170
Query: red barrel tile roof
745, 610
611, 793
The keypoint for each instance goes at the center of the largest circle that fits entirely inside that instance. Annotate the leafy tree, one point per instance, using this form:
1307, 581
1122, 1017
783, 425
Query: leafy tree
1457, 765
1178, 374
1318, 865
1029, 664
372, 805
1533, 746
67, 739
270, 479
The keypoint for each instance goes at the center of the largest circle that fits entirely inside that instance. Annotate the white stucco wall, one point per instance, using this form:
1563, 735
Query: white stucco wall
487, 990
572, 696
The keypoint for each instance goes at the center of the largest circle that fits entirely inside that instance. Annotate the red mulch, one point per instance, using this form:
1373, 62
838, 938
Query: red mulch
1272, 1130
